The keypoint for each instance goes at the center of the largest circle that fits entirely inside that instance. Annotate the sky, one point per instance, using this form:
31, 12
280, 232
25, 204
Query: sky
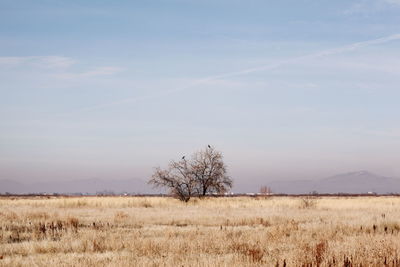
284, 89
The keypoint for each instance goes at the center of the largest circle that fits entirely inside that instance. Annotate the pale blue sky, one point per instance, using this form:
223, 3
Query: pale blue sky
285, 89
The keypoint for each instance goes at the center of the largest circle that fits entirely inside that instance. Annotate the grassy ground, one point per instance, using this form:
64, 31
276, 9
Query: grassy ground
243, 231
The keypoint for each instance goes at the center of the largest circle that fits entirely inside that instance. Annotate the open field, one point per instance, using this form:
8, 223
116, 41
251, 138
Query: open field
243, 231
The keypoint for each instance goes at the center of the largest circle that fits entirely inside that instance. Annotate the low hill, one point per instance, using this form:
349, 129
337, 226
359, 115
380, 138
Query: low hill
351, 183
90, 186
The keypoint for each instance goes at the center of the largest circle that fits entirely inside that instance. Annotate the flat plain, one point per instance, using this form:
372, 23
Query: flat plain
224, 231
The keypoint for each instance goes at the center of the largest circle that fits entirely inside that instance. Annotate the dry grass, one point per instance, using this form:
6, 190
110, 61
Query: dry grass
133, 231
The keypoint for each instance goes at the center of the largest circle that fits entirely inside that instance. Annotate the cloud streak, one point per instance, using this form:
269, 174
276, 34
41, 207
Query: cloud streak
99, 71
287, 62
38, 61
58, 67
393, 2
368, 7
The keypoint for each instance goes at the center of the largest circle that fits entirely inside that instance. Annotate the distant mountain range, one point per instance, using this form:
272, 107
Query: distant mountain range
91, 186
350, 183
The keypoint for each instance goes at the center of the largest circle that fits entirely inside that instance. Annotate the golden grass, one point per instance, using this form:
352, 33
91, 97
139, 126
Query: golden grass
242, 231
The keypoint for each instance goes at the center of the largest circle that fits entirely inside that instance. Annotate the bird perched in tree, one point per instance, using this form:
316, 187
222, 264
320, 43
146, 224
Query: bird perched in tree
183, 157
209, 146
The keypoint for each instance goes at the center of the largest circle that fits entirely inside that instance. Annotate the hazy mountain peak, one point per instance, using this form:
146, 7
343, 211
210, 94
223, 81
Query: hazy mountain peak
355, 173
358, 173
90, 185
355, 182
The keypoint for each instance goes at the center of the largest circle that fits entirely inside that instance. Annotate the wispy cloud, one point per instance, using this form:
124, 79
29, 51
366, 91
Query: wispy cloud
369, 7
55, 67
38, 61
393, 2
102, 71
287, 62
99, 71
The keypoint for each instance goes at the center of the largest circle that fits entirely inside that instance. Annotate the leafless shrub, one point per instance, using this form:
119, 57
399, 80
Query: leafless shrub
391, 227
307, 202
265, 190
99, 245
347, 262
248, 222
119, 216
146, 204
60, 225
253, 252
11, 216
181, 224
204, 173
74, 223
14, 238
320, 250
42, 228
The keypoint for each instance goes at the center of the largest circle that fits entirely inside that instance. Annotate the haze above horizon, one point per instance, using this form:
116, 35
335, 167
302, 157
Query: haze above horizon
285, 89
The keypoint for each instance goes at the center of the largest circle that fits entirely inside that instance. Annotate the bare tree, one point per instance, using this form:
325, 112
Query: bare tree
209, 171
265, 190
177, 178
204, 173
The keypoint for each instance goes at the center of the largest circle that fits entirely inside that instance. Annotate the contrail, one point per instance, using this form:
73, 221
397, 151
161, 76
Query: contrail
276, 65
